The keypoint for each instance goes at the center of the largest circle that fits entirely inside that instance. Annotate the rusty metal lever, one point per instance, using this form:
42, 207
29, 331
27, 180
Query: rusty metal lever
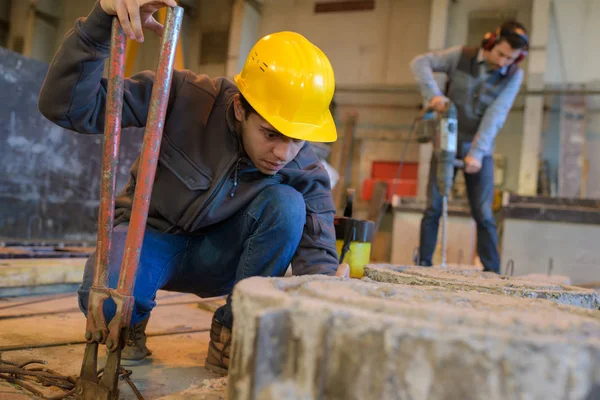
89, 386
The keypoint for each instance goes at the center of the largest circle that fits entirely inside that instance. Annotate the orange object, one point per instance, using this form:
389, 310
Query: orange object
386, 171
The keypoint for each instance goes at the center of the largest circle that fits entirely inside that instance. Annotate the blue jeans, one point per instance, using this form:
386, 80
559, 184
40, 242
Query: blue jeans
480, 192
259, 240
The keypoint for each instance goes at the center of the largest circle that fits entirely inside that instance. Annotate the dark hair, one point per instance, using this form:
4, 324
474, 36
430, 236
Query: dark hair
515, 34
248, 109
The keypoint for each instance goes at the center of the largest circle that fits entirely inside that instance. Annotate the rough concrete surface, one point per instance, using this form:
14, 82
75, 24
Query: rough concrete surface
485, 282
324, 337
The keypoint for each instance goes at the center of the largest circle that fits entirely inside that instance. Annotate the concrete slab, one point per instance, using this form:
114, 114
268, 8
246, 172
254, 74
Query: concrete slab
485, 282
325, 337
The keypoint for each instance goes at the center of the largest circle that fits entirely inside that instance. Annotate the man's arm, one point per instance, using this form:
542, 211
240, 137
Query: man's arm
423, 66
494, 118
316, 253
74, 92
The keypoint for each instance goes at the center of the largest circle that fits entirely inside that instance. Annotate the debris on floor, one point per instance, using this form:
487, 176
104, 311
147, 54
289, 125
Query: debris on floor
51, 328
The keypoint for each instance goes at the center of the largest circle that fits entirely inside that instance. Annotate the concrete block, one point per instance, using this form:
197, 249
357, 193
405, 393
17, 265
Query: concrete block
484, 282
318, 337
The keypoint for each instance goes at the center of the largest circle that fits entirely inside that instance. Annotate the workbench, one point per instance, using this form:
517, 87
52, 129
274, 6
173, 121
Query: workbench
552, 235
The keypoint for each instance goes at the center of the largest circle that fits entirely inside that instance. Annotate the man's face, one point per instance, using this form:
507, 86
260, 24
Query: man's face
268, 149
501, 55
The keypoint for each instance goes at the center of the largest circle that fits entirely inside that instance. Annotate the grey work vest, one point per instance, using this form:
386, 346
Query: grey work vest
471, 94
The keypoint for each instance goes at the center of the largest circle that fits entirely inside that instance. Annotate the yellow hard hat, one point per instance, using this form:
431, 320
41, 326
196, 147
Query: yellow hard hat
289, 82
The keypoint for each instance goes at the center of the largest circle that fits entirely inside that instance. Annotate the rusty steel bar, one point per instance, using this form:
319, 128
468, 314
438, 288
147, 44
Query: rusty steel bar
110, 154
150, 149
88, 386
96, 329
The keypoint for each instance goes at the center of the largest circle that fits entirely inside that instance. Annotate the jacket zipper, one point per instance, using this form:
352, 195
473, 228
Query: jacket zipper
202, 211
235, 178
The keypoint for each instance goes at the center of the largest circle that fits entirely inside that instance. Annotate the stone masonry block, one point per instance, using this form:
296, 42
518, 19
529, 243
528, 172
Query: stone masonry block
484, 282
318, 337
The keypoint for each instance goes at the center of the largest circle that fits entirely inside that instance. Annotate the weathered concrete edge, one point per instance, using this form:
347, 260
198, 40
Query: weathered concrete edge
590, 300
252, 295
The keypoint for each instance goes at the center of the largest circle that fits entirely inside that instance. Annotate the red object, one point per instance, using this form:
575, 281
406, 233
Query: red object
385, 171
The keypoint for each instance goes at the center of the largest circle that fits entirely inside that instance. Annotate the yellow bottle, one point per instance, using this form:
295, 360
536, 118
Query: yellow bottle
353, 243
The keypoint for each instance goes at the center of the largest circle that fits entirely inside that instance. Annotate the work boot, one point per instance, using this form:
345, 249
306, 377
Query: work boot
135, 350
219, 348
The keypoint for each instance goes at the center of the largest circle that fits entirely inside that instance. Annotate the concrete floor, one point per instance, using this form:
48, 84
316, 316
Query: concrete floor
51, 328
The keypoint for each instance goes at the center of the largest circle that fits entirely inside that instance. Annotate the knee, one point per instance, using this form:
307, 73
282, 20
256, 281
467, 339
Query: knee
483, 215
82, 299
281, 206
432, 213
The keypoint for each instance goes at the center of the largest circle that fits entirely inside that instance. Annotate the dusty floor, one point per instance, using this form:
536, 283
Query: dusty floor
51, 328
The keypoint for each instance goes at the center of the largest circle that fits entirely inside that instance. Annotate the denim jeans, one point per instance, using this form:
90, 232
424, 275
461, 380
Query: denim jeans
480, 192
259, 240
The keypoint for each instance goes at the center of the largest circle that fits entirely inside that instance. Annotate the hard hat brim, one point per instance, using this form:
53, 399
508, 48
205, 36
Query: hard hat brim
323, 132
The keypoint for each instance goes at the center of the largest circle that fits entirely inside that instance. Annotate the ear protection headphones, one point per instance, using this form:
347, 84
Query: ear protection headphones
490, 39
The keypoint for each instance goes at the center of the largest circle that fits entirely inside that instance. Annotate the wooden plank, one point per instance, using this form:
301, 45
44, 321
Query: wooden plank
69, 327
342, 6
342, 167
67, 303
31, 272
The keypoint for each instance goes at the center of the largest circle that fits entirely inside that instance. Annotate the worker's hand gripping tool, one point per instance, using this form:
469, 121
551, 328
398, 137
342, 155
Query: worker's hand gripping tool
89, 385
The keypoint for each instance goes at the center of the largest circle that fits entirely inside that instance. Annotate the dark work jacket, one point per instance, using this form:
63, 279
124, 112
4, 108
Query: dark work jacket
201, 155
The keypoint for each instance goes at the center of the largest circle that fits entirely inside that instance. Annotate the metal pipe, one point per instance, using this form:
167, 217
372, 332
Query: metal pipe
150, 150
110, 152
444, 229
415, 91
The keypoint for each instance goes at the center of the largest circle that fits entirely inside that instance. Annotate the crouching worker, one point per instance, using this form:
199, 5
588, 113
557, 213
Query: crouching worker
238, 191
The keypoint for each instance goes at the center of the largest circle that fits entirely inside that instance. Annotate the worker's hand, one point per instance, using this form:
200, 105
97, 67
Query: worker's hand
439, 103
137, 14
343, 271
472, 165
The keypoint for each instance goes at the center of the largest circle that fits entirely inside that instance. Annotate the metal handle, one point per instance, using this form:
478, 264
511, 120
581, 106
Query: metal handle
88, 385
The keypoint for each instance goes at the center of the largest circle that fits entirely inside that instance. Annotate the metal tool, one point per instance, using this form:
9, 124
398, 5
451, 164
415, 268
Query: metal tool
445, 148
89, 386
442, 130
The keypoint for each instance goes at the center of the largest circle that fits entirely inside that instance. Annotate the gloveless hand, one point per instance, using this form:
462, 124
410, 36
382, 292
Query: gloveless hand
343, 271
472, 165
135, 15
439, 103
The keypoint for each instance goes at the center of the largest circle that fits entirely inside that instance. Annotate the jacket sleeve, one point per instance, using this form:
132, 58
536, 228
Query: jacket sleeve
494, 118
316, 253
423, 66
74, 92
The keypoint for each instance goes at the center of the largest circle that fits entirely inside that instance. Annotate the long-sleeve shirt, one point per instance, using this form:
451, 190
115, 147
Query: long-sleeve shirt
446, 61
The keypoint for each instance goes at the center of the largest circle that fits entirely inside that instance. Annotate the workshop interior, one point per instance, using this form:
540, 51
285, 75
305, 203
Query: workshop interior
299, 199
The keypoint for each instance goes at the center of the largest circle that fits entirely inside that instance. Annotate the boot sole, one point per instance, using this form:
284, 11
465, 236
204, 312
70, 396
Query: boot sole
215, 368
133, 363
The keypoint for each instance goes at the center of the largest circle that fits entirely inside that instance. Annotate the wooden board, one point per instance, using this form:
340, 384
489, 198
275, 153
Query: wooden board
31, 272
68, 325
